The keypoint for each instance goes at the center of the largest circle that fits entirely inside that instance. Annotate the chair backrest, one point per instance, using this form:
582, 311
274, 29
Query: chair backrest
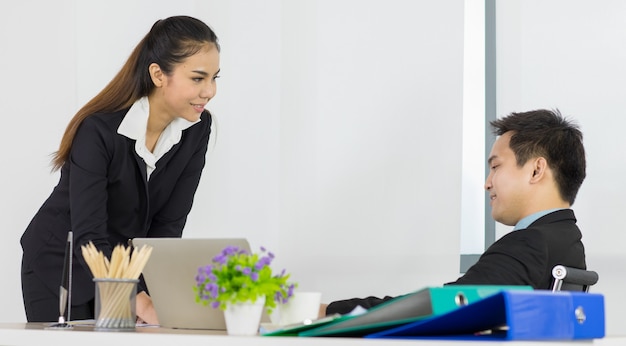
573, 279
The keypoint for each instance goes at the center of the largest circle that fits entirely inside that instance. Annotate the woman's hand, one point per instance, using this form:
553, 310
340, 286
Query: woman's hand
145, 309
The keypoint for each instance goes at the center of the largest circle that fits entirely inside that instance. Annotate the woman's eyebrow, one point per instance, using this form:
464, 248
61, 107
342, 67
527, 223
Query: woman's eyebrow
200, 72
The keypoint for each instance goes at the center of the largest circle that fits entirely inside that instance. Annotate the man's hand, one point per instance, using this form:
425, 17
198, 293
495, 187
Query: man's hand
322, 312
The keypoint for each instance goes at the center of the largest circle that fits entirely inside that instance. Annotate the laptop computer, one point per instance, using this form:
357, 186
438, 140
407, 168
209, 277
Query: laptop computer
170, 276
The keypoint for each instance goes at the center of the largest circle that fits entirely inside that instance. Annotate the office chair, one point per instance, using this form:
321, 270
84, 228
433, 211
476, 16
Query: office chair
572, 279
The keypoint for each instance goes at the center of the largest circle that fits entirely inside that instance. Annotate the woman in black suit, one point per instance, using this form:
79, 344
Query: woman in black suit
130, 163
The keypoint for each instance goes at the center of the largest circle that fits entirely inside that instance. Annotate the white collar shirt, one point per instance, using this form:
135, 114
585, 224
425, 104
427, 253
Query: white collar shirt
134, 126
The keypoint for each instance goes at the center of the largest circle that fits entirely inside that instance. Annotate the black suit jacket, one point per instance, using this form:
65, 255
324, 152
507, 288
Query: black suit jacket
526, 257
523, 257
103, 196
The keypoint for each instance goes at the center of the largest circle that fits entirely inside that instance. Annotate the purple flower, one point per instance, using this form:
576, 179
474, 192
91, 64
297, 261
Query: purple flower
262, 263
221, 259
223, 256
290, 290
278, 297
212, 289
218, 282
229, 250
200, 279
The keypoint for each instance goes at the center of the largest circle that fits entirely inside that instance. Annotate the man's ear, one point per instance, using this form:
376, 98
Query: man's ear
540, 166
156, 74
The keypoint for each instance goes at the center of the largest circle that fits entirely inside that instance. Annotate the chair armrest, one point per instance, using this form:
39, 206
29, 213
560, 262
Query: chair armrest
573, 276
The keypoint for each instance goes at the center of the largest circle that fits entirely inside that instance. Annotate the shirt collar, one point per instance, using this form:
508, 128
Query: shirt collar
134, 126
525, 222
135, 122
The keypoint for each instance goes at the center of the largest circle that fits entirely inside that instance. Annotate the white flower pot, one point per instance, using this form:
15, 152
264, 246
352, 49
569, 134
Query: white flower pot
244, 318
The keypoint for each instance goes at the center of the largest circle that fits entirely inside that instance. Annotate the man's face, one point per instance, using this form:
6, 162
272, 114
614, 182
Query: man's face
508, 184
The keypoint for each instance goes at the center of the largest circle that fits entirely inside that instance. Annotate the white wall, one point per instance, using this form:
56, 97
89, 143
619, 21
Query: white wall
339, 137
473, 154
570, 55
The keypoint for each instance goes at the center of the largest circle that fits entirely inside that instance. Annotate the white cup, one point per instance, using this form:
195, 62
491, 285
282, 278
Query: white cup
301, 306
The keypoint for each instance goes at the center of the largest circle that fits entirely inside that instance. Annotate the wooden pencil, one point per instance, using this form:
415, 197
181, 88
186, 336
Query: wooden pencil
113, 277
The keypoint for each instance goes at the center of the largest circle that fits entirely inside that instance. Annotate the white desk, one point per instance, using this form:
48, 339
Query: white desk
31, 334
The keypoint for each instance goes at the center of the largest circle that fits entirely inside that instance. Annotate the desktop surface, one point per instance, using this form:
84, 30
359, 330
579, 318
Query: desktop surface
26, 334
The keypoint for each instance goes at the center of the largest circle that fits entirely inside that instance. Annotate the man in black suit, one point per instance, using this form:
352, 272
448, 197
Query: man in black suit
537, 164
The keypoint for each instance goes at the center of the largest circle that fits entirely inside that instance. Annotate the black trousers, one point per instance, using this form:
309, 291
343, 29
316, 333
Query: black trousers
42, 305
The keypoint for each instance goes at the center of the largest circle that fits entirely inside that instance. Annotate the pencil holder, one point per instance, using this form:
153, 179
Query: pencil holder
115, 304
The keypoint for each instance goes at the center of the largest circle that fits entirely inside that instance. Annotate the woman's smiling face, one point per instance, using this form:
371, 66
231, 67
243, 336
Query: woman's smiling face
192, 84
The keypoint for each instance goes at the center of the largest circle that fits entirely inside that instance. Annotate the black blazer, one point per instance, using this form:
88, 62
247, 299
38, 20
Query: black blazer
526, 257
103, 196
523, 257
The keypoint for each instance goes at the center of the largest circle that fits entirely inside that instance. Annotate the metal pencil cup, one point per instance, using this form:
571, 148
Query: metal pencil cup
115, 304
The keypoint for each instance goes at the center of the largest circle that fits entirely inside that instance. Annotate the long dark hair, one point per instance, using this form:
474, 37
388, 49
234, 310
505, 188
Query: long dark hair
169, 42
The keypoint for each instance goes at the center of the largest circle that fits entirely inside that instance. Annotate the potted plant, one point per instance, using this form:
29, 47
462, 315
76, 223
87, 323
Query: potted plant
242, 283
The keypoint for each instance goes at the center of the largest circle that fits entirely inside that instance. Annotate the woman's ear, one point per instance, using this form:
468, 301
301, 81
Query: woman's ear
156, 74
